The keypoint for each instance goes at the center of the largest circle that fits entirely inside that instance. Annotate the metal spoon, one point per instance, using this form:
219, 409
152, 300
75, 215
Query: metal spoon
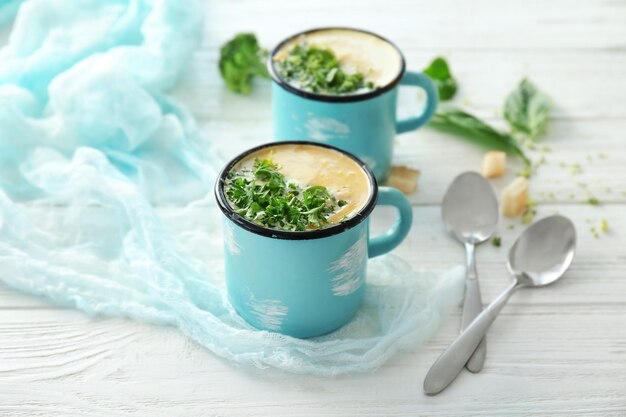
540, 256
470, 212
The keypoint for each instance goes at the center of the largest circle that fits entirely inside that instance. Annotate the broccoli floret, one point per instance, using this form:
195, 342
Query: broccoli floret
241, 59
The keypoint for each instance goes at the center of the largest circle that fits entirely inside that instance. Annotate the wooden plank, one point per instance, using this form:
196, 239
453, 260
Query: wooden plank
483, 24
538, 362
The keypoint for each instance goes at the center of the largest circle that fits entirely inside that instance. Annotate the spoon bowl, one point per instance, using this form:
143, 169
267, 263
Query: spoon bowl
545, 250
470, 208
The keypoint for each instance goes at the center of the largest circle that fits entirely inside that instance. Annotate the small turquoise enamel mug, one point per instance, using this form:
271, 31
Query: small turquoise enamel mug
364, 124
308, 283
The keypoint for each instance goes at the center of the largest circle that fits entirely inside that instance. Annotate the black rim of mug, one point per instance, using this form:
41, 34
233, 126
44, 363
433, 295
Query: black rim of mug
246, 224
346, 98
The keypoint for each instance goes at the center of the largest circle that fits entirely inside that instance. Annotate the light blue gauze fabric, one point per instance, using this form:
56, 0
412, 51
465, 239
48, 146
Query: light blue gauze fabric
106, 203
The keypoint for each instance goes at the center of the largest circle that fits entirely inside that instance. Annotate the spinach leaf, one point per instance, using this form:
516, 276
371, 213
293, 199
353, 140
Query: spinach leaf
455, 121
527, 110
439, 72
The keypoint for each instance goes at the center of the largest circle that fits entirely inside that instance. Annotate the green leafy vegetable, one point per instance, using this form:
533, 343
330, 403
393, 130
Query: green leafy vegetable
527, 110
439, 72
241, 60
264, 197
458, 122
496, 241
317, 70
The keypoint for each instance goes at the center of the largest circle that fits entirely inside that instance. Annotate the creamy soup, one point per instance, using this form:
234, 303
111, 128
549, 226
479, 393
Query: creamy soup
308, 165
376, 59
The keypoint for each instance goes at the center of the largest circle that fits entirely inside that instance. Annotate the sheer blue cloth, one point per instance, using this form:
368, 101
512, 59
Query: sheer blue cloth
103, 191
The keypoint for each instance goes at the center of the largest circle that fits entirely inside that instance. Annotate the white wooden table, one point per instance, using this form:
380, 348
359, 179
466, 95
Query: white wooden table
554, 351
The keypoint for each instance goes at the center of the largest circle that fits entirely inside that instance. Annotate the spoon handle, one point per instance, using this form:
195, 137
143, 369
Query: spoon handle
451, 361
472, 306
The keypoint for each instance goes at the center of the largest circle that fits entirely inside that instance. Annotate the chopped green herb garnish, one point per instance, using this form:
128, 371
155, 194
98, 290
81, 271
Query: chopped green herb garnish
575, 169
496, 241
526, 172
604, 226
529, 212
265, 198
317, 70
593, 201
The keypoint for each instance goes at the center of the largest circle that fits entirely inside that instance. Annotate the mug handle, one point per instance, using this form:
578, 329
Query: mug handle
385, 242
421, 80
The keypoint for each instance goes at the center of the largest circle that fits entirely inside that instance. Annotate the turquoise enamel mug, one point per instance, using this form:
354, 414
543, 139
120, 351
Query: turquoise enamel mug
364, 124
304, 283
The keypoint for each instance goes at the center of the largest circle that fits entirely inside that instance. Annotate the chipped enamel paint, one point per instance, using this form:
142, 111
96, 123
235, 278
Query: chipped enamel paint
269, 313
347, 268
325, 128
229, 239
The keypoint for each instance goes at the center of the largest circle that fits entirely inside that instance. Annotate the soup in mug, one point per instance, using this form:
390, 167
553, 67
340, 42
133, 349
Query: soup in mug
375, 61
297, 187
